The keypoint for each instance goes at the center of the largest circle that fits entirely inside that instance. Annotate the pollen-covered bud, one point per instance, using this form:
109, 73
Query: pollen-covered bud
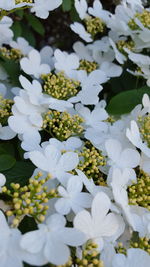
5, 109
144, 123
139, 193
143, 17
62, 125
59, 86
88, 66
90, 256
90, 161
29, 199
121, 44
140, 242
11, 53
94, 25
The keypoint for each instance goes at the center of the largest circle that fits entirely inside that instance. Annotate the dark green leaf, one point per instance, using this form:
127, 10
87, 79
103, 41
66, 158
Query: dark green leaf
28, 35
66, 5
13, 70
8, 148
16, 28
27, 224
20, 173
20, 13
35, 24
124, 102
6, 162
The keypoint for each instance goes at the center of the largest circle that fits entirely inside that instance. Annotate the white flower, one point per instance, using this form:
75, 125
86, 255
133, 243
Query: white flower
5, 32
22, 45
65, 62
135, 258
72, 198
90, 87
146, 102
80, 30
52, 239
42, 8
6, 133
119, 157
10, 4
95, 118
81, 7
72, 143
119, 56
97, 11
99, 224
145, 163
11, 252
133, 135
33, 66
53, 162
119, 184
111, 69
46, 54
2, 180
82, 51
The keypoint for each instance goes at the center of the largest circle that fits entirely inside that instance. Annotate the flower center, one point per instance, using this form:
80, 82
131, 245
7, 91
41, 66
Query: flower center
11, 53
22, 1
94, 25
29, 199
121, 44
143, 17
139, 193
144, 123
140, 242
90, 161
88, 66
59, 86
5, 110
62, 125
90, 256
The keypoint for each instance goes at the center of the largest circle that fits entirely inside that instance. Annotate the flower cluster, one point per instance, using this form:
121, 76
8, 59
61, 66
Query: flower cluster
75, 149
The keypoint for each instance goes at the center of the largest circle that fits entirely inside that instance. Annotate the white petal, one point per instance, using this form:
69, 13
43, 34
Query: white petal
68, 161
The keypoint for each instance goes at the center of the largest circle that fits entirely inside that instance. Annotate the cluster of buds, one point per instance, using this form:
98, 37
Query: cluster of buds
30, 199
62, 125
21, 1
59, 86
129, 44
94, 25
139, 193
90, 161
145, 128
120, 248
5, 109
11, 53
69, 263
90, 256
142, 243
143, 17
88, 66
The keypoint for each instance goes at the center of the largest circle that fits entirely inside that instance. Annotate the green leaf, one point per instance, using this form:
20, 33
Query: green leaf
19, 173
35, 23
7, 148
20, 13
124, 102
66, 5
28, 35
16, 28
6, 162
13, 70
74, 15
27, 224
